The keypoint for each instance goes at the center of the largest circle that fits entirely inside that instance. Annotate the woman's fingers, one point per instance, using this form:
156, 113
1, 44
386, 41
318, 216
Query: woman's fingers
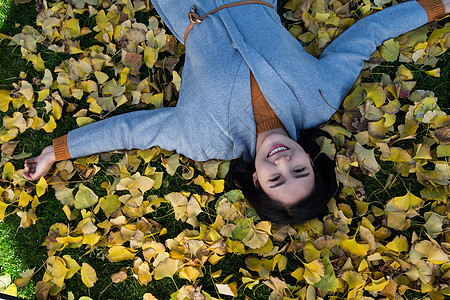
28, 175
29, 171
33, 160
39, 166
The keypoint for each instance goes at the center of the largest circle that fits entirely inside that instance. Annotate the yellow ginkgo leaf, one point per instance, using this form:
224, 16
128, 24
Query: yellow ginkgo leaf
82, 121
355, 280
377, 129
404, 74
276, 284
432, 252
314, 271
218, 185
36, 60
366, 159
298, 274
375, 92
142, 271
48, 79
8, 171
8, 135
171, 164
101, 77
435, 72
26, 90
399, 244
41, 186
88, 275
120, 253
24, 199
11, 290
227, 289
207, 186
377, 285
50, 125
109, 204
255, 239
190, 273
166, 268
150, 56
425, 271
85, 197
72, 266
3, 207
89, 86
408, 203
16, 121
59, 271
434, 223
176, 80
5, 99
92, 239
354, 248
390, 50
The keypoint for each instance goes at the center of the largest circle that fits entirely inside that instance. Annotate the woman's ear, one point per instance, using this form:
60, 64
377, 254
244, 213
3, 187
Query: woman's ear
255, 180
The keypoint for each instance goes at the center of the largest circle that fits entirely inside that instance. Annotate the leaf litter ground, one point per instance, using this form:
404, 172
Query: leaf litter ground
156, 224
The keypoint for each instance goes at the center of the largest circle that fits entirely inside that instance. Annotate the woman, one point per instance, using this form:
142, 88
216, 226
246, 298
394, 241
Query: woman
249, 89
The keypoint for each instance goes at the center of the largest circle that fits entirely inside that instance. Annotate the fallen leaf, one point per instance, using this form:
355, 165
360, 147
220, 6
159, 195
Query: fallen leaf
85, 197
166, 268
88, 275
314, 271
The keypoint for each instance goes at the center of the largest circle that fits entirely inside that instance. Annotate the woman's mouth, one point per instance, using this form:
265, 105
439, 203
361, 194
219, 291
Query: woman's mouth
276, 149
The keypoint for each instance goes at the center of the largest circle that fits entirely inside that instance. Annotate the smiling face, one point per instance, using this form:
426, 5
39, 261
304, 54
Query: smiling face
283, 169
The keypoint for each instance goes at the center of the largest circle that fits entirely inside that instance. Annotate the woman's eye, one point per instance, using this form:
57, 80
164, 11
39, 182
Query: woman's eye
275, 178
299, 170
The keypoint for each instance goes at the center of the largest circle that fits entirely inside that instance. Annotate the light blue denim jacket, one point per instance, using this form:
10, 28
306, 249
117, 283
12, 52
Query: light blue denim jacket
214, 116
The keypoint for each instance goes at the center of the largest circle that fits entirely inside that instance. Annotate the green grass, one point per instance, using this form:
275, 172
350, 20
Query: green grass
4, 8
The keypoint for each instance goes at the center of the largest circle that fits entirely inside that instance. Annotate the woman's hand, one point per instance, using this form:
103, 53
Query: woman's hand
39, 166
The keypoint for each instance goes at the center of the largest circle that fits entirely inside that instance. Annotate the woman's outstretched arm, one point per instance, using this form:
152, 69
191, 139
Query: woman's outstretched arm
345, 56
168, 128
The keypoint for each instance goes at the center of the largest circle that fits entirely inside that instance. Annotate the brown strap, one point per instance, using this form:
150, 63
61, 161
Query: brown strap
195, 19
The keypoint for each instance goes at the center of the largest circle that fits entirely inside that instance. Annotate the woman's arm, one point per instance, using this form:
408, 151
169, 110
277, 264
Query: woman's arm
342, 61
167, 128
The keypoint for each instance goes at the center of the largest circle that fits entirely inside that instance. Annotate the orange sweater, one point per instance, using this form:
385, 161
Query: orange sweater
435, 8
265, 118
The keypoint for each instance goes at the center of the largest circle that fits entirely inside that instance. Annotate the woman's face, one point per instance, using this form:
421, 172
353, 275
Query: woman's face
283, 169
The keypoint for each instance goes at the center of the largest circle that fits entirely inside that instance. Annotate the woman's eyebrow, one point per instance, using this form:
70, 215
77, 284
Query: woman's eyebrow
301, 175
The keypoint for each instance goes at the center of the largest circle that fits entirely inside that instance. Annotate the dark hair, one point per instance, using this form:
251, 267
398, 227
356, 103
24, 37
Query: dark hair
241, 172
